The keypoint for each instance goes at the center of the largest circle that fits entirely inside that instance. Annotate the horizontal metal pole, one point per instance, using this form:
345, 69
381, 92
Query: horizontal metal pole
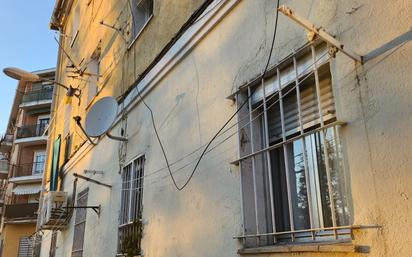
91, 180
335, 123
320, 32
353, 227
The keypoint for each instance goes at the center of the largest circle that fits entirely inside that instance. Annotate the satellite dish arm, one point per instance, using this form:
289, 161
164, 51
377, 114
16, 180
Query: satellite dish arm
116, 137
78, 119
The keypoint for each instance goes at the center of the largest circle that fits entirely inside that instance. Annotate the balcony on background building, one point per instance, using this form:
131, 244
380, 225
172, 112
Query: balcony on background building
27, 173
31, 134
35, 100
4, 169
22, 212
6, 142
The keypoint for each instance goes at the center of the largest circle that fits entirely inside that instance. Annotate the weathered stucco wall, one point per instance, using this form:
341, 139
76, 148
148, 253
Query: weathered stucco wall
190, 104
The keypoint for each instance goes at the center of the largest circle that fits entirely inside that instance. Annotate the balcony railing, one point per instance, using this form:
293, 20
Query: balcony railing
4, 165
21, 211
37, 95
6, 143
28, 169
35, 130
7, 139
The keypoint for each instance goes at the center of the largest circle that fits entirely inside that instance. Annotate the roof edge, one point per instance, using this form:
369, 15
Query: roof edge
59, 13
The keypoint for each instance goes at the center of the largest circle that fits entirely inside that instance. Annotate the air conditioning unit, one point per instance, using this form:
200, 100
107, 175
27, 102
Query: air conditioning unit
54, 214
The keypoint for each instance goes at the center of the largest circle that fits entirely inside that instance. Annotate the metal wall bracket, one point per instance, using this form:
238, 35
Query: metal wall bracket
95, 208
91, 180
320, 32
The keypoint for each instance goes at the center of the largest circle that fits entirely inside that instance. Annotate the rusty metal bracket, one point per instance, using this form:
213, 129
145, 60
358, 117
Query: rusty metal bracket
320, 32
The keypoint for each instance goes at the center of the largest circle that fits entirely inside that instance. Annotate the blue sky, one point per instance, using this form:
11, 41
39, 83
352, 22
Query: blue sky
25, 42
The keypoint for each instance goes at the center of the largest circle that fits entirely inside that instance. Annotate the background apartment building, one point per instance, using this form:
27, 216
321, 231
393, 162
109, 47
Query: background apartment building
23, 148
316, 161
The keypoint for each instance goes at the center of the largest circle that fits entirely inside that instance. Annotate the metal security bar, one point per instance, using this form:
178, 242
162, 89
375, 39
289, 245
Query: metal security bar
290, 156
130, 227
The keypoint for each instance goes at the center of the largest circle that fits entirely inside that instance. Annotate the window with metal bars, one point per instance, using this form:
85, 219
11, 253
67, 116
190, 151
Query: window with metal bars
80, 224
294, 185
130, 225
25, 247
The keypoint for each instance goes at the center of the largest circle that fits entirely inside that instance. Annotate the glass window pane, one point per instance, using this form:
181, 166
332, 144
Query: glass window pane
280, 195
340, 192
298, 185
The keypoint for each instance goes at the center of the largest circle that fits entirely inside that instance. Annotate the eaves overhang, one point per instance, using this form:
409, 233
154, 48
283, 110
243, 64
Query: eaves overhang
60, 12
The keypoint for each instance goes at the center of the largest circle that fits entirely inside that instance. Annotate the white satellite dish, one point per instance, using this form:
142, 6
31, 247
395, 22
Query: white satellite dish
101, 116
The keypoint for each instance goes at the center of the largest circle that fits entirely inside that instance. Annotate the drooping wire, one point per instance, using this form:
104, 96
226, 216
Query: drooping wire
233, 133
179, 188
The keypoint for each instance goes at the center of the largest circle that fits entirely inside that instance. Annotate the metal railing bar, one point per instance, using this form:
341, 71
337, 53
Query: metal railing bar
286, 141
253, 161
353, 227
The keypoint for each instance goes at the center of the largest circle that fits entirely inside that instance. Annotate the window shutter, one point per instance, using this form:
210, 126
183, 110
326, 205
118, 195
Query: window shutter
309, 105
309, 101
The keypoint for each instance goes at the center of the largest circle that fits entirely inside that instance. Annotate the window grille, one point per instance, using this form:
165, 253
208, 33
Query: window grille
80, 224
141, 12
25, 247
292, 174
130, 228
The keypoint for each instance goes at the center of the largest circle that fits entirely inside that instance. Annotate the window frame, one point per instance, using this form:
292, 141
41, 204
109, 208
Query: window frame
134, 38
93, 85
272, 238
75, 25
35, 163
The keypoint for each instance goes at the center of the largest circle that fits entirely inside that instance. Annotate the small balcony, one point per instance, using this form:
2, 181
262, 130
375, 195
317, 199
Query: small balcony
6, 142
24, 212
27, 173
37, 99
31, 134
4, 169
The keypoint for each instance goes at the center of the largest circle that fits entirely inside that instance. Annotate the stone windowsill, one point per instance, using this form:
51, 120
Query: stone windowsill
343, 247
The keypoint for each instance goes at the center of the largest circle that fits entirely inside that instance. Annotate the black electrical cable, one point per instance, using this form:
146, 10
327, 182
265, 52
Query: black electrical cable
179, 188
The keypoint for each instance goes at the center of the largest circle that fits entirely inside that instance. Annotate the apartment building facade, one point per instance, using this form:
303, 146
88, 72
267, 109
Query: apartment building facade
23, 149
314, 161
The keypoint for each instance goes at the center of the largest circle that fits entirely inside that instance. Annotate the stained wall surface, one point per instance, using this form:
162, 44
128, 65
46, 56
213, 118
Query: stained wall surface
190, 105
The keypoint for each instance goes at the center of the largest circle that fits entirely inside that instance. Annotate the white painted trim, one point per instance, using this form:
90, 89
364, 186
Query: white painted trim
31, 140
35, 104
26, 179
35, 154
44, 116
